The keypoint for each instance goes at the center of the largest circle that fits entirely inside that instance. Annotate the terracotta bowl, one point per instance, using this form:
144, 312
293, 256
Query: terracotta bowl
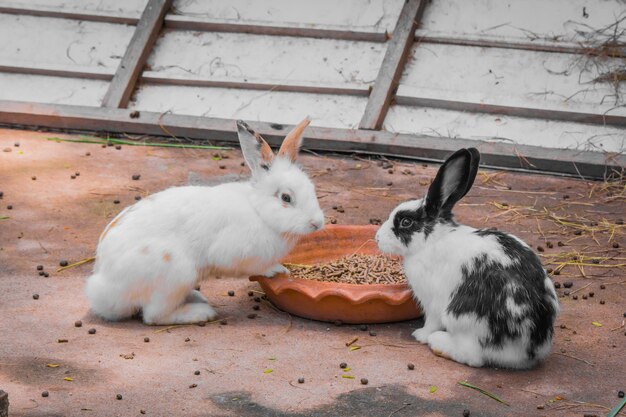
329, 301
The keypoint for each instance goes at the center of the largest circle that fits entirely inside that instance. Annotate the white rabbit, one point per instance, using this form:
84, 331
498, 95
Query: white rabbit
151, 256
487, 299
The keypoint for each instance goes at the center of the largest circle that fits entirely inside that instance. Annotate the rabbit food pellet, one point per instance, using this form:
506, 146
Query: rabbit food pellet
353, 269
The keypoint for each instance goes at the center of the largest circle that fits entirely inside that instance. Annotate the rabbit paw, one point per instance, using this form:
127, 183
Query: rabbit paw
186, 314
194, 313
200, 312
196, 296
421, 334
441, 343
462, 349
276, 269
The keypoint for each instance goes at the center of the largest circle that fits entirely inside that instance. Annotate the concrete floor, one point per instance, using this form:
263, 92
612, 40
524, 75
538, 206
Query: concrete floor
55, 217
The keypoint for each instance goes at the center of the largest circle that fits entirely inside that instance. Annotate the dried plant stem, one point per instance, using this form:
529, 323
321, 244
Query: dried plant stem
580, 289
574, 357
81, 262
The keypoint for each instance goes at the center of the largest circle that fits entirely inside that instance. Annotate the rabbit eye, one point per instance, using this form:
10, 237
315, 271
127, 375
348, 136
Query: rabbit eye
285, 197
405, 223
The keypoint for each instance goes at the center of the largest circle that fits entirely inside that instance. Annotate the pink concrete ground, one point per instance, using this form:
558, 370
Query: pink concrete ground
55, 217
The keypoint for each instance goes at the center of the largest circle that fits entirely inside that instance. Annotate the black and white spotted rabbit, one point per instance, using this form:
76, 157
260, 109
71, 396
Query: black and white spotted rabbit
486, 297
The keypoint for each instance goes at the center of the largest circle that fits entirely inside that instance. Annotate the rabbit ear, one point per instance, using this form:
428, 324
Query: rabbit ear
256, 151
293, 140
454, 179
474, 162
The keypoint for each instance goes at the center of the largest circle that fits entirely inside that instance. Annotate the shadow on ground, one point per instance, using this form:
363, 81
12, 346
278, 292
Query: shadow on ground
380, 401
38, 371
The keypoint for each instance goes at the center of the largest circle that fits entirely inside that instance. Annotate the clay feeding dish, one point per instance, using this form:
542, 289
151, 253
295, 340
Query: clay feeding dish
338, 302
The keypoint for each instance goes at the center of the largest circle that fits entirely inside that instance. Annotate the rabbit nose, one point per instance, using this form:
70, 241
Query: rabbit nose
317, 222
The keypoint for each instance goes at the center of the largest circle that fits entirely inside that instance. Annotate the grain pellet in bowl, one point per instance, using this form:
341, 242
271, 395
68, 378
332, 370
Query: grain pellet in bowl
353, 269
